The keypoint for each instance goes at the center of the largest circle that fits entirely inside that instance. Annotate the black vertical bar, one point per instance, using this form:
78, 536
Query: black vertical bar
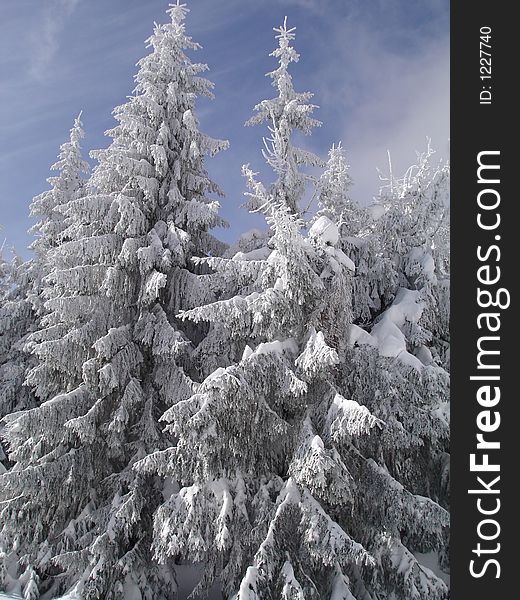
478, 127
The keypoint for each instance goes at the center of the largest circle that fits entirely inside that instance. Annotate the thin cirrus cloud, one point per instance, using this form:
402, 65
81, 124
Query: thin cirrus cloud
315, 5
45, 42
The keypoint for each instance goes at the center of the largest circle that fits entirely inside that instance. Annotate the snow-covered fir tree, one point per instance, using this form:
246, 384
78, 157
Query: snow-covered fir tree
332, 190
69, 184
416, 207
374, 279
51, 373
283, 487
397, 362
120, 272
27, 332
23, 284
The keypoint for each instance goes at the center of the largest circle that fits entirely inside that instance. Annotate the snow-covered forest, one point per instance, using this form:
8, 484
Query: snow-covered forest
267, 420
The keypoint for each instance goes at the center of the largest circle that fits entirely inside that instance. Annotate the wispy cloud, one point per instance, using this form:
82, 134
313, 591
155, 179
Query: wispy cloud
384, 95
404, 110
45, 41
315, 5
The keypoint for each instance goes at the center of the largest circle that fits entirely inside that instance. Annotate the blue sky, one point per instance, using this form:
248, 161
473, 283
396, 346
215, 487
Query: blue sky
379, 70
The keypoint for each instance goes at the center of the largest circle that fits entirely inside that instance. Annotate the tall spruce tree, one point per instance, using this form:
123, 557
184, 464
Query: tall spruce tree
120, 272
284, 492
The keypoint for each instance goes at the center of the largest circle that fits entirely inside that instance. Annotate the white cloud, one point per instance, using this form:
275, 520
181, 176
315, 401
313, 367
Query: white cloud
390, 99
45, 40
313, 4
403, 111
316, 7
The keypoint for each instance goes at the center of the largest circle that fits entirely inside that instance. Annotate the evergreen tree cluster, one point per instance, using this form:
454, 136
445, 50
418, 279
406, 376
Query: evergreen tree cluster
274, 414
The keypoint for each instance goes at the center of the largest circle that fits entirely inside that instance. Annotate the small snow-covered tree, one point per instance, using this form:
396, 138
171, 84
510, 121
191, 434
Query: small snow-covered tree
51, 373
332, 192
120, 273
374, 281
25, 288
66, 186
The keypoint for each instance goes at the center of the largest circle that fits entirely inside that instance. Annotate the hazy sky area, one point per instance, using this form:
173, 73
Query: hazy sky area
379, 70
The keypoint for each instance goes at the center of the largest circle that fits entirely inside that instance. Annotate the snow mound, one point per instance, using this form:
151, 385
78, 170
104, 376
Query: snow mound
325, 230
376, 211
277, 347
258, 254
430, 561
387, 334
